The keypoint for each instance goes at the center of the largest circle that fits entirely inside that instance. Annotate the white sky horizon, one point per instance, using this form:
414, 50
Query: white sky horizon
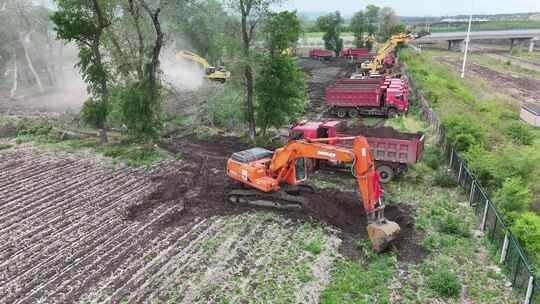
419, 8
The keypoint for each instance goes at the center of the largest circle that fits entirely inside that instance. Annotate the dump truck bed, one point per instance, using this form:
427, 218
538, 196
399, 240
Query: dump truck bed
389, 145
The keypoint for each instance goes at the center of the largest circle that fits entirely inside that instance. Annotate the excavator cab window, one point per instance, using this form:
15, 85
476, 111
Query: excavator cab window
297, 135
300, 170
322, 133
210, 70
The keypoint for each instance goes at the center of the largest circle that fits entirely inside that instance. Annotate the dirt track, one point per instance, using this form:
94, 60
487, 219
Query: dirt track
520, 87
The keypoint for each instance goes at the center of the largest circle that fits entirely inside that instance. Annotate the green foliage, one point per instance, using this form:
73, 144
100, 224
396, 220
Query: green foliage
526, 227
94, 113
444, 179
280, 90
313, 247
513, 196
464, 132
520, 133
5, 146
359, 25
130, 154
432, 157
141, 110
331, 25
281, 30
351, 283
445, 283
453, 224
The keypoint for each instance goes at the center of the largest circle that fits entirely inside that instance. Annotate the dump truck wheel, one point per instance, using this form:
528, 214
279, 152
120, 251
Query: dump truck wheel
341, 113
353, 113
386, 173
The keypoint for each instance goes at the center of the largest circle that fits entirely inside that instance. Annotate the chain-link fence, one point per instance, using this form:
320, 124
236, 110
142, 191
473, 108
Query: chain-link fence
506, 248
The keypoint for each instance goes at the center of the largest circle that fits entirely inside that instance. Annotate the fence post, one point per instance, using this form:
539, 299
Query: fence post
504, 250
484, 218
473, 184
530, 286
451, 156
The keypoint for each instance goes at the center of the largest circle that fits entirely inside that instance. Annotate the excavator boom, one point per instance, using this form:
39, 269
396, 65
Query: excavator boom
212, 73
273, 173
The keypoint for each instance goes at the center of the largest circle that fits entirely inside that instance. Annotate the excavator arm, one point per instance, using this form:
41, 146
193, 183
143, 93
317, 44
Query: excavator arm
212, 73
255, 168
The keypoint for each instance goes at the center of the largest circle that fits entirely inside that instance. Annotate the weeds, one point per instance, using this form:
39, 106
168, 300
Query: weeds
445, 283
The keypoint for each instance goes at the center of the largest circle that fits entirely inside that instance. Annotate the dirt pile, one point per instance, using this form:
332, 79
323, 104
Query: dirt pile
199, 185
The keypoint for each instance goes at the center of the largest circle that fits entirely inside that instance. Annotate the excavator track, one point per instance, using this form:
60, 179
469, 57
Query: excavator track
276, 200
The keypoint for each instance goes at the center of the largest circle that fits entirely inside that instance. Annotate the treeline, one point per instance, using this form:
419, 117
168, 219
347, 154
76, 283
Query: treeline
368, 26
120, 44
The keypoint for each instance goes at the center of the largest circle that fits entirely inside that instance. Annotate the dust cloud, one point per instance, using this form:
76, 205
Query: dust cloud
181, 74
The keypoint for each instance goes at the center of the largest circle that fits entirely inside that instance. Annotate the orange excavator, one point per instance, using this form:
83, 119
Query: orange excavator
276, 178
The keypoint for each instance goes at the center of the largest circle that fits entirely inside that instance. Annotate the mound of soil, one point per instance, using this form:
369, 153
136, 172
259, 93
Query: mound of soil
200, 183
380, 132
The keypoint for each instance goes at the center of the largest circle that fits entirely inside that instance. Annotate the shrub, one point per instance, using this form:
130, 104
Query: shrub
514, 196
454, 225
527, 229
445, 283
444, 179
520, 133
465, 132
313, 247
417, 173
432, 157
94, 113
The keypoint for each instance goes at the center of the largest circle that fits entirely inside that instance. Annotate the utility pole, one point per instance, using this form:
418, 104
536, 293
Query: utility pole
466, 47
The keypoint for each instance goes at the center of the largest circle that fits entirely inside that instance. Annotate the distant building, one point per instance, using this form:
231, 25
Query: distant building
535, 17
530, 113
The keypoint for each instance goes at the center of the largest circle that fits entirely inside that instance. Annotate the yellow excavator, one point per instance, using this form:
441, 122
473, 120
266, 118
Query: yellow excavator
219, 74
385, 52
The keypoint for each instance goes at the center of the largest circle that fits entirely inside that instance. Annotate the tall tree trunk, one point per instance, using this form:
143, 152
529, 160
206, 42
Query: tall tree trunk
99, 62
245, 7
15, 77
60, 65
23, 38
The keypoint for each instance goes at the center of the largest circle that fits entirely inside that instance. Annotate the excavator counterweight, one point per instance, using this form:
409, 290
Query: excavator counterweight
275, 179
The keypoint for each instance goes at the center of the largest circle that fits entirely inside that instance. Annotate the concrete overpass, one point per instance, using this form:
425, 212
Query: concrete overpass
457, 38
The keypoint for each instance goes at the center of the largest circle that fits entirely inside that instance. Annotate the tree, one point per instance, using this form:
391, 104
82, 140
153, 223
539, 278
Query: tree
251, 13
389, 23
84, 23
372, 17
359, 26
281, 31
199, 24
280, 84
331, 26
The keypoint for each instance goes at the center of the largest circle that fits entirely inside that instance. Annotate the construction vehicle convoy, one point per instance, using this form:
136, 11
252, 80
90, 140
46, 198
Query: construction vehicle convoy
219, 74
393, 151
376, 96
385, 56
277, 178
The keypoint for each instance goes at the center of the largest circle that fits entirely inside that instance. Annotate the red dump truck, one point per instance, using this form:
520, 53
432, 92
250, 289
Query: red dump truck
356, 53
367, 97
321, 54
393, 151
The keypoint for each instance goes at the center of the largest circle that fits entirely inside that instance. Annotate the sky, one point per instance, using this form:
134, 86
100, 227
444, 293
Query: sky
420, 7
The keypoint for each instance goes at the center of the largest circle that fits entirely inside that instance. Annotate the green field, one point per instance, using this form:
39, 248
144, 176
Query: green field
486, 26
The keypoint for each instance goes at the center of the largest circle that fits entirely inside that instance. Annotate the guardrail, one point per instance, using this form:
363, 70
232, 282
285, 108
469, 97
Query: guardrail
511, 256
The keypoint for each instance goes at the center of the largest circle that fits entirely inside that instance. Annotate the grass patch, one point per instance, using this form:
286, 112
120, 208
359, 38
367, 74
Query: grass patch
131, 155
5, 146
354, 283
445, 283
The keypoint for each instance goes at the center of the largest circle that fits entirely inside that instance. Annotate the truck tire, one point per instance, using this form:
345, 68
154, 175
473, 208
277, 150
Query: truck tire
386, 173
391, 113
341, 112
353, 113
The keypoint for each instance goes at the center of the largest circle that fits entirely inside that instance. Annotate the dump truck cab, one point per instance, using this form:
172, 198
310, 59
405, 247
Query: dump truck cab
396, 99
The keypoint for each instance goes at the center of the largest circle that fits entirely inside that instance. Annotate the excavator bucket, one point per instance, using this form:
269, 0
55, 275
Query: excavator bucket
382, 234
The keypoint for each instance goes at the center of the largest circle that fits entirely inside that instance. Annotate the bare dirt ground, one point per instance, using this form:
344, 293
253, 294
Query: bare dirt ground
520, 87
75, 230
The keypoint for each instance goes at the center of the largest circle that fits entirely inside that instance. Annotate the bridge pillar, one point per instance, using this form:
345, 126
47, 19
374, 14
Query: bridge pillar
531, 44
511, 44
